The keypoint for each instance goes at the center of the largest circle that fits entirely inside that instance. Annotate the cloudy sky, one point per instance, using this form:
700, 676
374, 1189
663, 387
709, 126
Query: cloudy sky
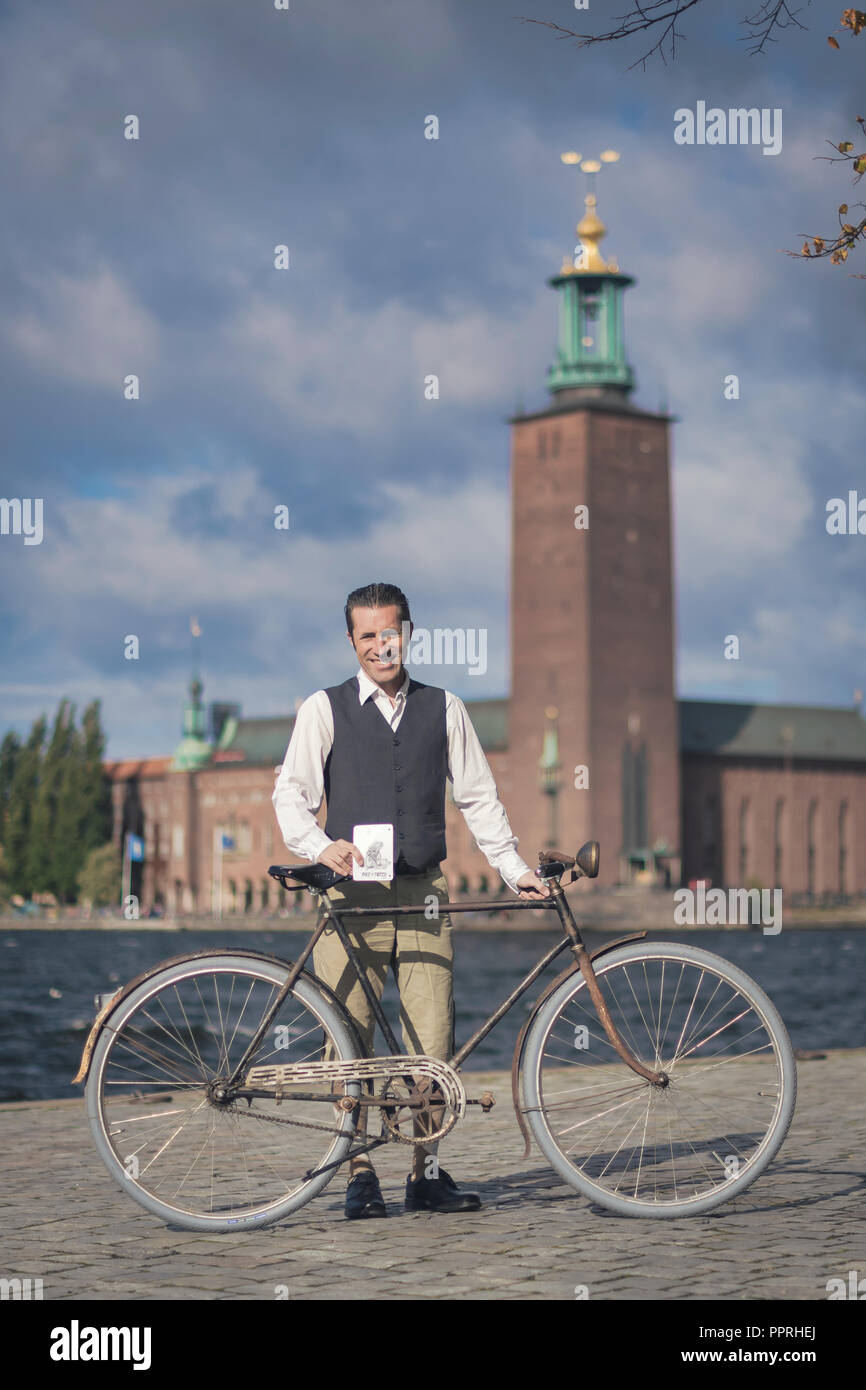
409, 256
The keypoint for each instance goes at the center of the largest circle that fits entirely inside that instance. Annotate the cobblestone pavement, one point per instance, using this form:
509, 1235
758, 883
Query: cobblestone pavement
66, 1221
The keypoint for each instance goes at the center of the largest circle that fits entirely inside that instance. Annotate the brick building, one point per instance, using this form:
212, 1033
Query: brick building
592, 741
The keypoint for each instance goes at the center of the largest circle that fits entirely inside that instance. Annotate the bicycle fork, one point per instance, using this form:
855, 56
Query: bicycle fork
584, 961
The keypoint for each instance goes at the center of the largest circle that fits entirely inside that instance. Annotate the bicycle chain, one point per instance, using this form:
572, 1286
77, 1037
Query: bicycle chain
299, 1124
281, 1120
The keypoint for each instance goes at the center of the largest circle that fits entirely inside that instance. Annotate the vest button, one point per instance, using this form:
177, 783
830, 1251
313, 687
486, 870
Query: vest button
399, 789
401, 836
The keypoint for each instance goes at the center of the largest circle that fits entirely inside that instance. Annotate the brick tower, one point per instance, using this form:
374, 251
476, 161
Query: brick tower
592, 624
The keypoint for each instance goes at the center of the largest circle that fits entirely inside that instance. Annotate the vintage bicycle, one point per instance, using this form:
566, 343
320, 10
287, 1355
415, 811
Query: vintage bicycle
224, 1088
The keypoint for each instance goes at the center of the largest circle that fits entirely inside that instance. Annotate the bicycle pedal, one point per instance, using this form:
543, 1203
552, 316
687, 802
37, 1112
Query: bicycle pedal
486, 1101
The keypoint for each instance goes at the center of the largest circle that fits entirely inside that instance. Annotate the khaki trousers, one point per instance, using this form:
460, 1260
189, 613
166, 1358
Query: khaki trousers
419, 949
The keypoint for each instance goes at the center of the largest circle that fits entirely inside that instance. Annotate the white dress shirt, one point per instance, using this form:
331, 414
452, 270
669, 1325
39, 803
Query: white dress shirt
300, 786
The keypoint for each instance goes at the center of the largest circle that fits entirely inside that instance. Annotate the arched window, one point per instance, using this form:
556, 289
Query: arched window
634, 796
811, 847
778, 842
484, 884
463, 885
843, 848
745, 840
248, 895
709, 835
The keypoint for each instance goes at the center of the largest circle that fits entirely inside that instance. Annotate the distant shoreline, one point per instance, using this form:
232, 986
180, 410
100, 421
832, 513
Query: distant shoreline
794, 919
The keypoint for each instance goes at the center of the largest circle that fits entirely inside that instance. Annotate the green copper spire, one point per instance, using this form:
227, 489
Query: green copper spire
591, 349
193, 750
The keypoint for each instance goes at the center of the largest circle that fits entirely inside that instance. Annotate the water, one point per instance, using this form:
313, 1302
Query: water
816, 979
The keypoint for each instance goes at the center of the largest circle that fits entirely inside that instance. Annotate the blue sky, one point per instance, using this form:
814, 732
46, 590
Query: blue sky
408, 257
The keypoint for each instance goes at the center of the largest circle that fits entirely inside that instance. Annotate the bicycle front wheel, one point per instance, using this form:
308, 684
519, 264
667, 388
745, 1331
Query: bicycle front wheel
644, 1150
152, 1094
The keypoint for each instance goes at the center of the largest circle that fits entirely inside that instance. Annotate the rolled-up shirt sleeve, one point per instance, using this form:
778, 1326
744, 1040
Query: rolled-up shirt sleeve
300, 785
475, 795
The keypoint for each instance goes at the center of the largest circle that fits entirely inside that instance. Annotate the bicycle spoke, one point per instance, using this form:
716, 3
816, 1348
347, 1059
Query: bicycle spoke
212, 1153
667, 1146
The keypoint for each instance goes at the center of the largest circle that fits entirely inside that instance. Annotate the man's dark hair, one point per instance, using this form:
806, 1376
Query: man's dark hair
376, 596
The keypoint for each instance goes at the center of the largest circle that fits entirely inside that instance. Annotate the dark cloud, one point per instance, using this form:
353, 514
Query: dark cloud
408, 257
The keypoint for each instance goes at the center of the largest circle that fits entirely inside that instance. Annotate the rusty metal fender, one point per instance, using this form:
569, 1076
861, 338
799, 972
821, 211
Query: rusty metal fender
109, 1007
572, 969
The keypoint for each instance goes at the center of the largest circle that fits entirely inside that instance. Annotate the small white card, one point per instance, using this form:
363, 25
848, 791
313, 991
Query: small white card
376, 843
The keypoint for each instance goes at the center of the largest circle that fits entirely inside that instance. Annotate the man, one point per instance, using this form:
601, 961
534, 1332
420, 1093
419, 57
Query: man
380, 747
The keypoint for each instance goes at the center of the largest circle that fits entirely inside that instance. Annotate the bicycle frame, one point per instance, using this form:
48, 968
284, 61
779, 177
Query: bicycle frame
557, 900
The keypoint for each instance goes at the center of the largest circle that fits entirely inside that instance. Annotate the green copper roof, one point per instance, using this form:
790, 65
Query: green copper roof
710, 727
191, 753
193, 750
771, 731
263, 741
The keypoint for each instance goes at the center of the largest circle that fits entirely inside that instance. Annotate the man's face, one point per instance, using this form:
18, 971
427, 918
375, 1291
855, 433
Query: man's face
377, 637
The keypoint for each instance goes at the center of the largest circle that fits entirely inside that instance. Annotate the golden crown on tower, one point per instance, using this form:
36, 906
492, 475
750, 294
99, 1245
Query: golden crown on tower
590, 229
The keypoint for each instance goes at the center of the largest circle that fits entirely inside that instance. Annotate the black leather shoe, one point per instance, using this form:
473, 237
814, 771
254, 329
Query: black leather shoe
364, 1196
439, 1194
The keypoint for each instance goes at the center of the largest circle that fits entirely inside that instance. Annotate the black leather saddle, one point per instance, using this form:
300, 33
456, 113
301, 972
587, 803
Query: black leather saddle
316, 876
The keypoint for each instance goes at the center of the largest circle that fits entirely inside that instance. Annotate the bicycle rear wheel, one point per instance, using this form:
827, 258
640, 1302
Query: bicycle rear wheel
154, 1113
644, 1150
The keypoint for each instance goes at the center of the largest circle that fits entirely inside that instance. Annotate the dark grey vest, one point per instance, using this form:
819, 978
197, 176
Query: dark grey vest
375, 776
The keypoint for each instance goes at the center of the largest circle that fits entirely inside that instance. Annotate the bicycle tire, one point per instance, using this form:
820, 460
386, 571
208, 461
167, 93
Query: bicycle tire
197, 972
612, 969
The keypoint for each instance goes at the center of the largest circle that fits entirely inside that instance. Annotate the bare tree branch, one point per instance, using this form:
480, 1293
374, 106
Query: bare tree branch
770, 15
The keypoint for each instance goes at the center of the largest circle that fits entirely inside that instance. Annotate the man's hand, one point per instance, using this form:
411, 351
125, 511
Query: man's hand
531, 887
339, 855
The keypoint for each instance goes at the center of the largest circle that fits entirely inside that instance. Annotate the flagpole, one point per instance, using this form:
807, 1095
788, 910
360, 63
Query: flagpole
125, 873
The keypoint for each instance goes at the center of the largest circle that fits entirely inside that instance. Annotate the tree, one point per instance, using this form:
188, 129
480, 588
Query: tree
55, 802
44, 852
22, 795
10, 750
662, 16
99, 877
95, 784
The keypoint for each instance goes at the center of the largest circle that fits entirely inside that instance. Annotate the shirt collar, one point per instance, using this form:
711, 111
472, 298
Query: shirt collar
368, 688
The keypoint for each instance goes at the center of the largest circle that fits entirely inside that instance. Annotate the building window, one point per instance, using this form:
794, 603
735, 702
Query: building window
554, 444
177, 842
248, 895
843, 847
811, 849
744, 841
634, 796
542, 445
778, 842
245, 839
268, 839
709, 835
